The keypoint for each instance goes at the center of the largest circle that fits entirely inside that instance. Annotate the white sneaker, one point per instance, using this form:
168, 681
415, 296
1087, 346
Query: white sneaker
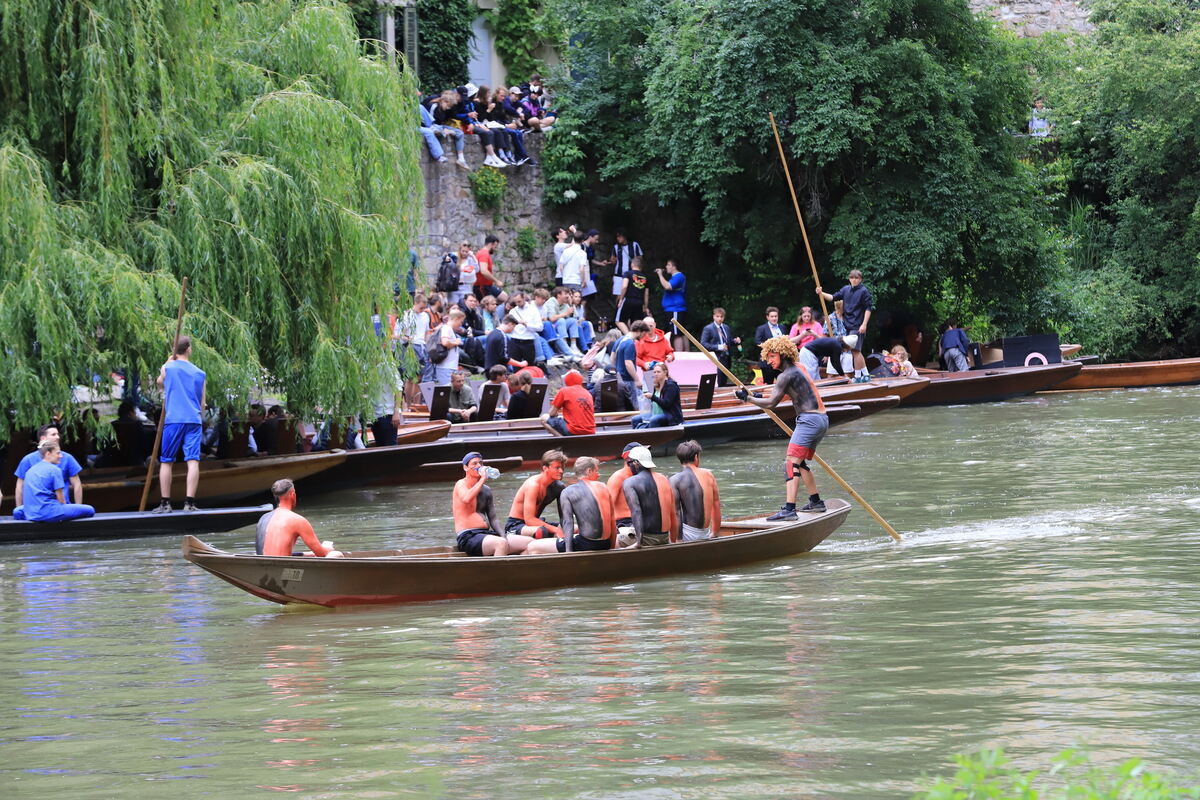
493, 161
462, 162
442, 159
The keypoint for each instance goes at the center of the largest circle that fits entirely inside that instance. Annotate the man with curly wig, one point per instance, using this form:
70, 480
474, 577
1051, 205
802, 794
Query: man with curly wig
780, 354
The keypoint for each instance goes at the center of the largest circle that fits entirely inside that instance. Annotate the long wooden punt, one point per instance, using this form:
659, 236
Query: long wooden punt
130, 524
1131, 374
831, 391
233, 480
440, 573
988, 385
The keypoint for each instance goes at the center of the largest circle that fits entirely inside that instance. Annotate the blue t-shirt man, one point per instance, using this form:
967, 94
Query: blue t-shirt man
40, 499
626, 350
183, 425
69, 467
674, 299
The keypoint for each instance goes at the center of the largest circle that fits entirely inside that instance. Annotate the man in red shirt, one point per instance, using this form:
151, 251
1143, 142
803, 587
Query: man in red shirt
486, 281
654, 346
577, 407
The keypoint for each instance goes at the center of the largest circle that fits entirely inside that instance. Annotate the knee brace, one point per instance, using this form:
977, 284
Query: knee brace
804, 466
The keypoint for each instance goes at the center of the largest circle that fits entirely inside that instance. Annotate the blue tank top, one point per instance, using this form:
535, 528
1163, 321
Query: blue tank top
184, 387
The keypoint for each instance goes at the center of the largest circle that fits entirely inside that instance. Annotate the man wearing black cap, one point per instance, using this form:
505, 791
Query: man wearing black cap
478, 529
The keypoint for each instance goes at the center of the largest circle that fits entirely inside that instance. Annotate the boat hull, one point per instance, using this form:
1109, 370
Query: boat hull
989, 385
394, 577
1133, 374
131, 524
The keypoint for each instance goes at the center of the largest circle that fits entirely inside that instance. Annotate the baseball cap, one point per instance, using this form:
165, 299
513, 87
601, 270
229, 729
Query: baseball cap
467, 458
642, 456
851, 340
628, 447
472, 90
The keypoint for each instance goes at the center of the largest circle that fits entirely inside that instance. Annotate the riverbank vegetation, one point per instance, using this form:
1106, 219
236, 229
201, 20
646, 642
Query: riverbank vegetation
990, 774
258, 149
904, 126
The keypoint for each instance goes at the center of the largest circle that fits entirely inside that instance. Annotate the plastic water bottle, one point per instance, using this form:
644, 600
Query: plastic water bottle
491, 473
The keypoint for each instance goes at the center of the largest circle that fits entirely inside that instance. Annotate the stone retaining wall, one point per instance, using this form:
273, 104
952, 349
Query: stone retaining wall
1035, 17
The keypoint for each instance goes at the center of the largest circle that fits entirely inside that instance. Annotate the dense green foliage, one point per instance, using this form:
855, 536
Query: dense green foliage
444, 42
515, 25
248, 146
527, 243
488, 185
991, 775
893, 116
1128, 124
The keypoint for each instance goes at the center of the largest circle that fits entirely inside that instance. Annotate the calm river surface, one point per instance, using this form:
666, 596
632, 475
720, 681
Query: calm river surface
1045, 596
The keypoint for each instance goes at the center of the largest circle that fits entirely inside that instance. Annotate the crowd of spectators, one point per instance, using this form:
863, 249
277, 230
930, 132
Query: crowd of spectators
497, 119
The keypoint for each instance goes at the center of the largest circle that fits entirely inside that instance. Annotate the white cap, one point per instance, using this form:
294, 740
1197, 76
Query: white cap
472, 90
642, 456
851, 340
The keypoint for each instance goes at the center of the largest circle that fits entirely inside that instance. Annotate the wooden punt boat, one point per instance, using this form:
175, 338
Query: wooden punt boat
130, 524
225, 482
439, 573
832, 390
989, 385
1130, 374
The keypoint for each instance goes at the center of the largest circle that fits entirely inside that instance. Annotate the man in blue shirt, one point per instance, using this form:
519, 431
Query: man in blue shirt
625, 360
68, 465
674, 301
183, 404
954, 345
857, 306
44, 486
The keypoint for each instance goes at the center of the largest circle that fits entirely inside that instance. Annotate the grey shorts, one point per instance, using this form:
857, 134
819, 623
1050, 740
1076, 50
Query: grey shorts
809, 431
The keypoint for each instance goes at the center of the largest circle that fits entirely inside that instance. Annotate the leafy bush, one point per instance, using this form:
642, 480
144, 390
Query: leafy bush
488, 185
515, 24
445, 42
527, 243
989, 774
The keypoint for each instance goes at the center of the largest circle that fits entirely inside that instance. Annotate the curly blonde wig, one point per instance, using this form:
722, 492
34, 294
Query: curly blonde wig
781, 346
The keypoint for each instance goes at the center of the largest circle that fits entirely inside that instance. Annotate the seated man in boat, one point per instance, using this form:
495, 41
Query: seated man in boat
696, 496
588, 520
811, 423
537, 492
463, 404
286, 526
68, 466
43, 499
475, 522
576, 406
651, 502
625, 534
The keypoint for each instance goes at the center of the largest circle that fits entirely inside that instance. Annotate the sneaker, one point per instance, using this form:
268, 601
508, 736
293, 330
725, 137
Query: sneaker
782, 515
521, 161
814, 508
192, 507
533, 162
494, 161
862, 379
163, 508
442, 159
462, 162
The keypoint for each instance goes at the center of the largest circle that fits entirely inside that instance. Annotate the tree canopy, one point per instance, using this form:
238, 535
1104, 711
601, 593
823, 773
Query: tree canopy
896, 117
252, 147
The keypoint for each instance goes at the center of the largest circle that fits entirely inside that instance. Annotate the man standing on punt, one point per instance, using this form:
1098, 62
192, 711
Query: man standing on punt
183, 404
812, 422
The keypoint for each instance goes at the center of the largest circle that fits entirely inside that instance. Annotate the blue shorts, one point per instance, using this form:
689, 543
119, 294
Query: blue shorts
181, 434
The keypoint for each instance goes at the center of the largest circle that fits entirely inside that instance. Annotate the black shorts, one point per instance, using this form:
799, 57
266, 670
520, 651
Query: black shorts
471, 541
630, 312
514, 525
681, 316
581, 543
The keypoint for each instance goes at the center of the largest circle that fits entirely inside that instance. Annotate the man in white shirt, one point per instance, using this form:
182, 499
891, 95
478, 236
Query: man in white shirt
468, 268
575, 264
444, 370
524, 337
562, 240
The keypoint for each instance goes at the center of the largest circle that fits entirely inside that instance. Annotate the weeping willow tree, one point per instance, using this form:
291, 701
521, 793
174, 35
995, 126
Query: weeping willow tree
252, 147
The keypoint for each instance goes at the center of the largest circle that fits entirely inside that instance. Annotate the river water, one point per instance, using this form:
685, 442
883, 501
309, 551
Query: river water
1045, 596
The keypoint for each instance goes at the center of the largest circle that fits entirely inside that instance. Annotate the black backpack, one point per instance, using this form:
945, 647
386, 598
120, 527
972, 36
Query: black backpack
447, 275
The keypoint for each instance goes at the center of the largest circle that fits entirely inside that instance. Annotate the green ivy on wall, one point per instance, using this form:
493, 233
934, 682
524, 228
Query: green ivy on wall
527, 243
444, 42
488, 185
517, 27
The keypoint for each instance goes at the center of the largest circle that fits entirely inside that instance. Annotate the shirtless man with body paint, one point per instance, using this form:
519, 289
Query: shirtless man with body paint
625, 534
651, 502
537, 492
286, 526
588, 519
811, 422
475, 522
697, 499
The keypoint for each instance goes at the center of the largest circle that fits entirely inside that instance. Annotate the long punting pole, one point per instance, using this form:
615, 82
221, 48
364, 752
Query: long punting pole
163, 414
799, 217
786, 429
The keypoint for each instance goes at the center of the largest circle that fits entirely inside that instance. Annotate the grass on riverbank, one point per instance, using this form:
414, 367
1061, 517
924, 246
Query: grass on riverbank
1072, 776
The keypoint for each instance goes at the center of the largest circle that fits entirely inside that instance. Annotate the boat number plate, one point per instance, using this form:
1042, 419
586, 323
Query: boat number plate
292, 574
